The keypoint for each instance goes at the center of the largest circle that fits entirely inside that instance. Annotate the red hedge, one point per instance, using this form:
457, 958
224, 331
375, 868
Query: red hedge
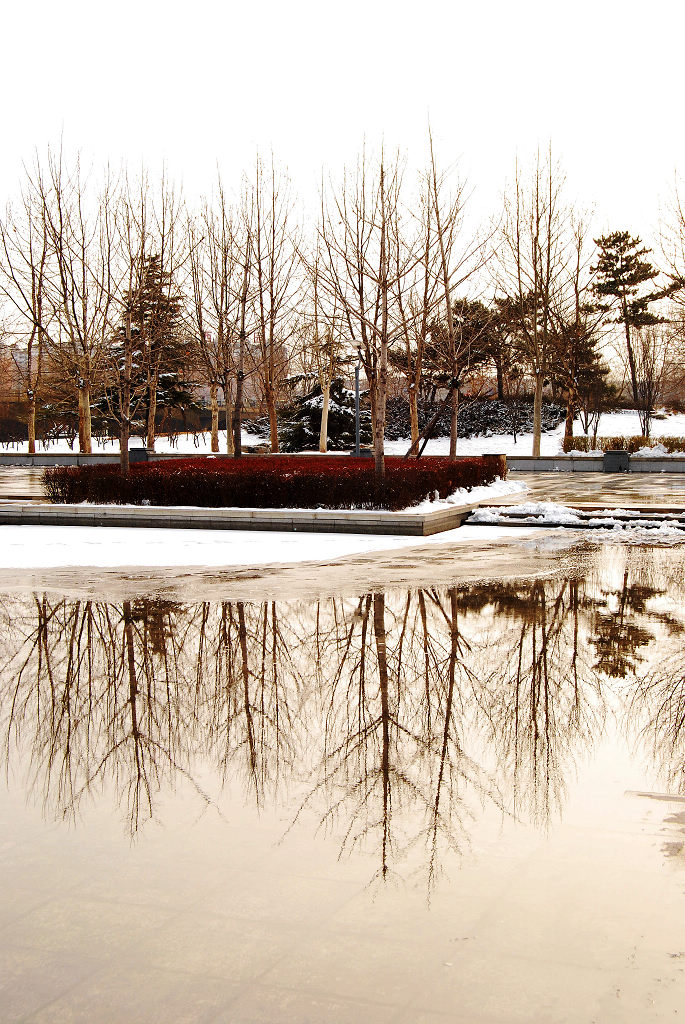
281, 481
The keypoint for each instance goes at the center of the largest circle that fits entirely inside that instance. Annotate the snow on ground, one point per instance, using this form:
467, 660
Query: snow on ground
181, 444
604, 522
462, 496
47, 547
615, 424
656, 451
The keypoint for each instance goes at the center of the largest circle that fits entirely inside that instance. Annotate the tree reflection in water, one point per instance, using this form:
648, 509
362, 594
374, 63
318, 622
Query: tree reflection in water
392, 719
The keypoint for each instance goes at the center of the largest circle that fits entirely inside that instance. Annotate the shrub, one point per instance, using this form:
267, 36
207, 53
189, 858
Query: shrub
626, 444
273, 481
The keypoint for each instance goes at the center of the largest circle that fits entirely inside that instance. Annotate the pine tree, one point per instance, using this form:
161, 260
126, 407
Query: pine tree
622, 272
157, 319
302, 423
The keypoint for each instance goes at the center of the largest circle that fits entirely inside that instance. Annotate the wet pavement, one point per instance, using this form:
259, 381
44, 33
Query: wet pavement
460, 800
624, 490
21, 483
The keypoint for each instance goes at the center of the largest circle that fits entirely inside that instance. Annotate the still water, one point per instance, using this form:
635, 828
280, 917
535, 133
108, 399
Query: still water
455, 802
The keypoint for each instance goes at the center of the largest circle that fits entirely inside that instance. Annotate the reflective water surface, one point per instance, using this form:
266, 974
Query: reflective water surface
458, 802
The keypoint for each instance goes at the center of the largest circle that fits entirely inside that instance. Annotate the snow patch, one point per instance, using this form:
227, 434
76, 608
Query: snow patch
43, 547
464, 496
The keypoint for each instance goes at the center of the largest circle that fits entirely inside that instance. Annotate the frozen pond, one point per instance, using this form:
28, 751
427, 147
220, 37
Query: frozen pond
453, 799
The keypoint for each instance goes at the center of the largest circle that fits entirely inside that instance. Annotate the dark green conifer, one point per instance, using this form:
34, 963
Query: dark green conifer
622, 274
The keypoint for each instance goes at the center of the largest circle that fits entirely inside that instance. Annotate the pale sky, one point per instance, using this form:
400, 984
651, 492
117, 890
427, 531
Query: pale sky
206, 82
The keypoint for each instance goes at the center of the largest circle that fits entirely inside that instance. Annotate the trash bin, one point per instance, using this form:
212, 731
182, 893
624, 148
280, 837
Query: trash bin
137, 455
616, 462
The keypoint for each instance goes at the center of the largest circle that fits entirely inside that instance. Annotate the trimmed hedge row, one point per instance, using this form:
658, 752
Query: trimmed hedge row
626, 444
273, 481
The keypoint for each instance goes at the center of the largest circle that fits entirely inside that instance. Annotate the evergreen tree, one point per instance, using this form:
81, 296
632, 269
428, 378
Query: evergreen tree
472, 324
622, 274
302, 422
157, 322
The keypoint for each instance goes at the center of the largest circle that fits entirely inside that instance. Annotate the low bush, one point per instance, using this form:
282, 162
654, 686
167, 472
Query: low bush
626, 444
273, 481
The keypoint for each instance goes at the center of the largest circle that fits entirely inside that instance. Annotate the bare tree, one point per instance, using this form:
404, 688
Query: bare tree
454, 270
323, 349
579, 325
126, 381
79, 225
169, 249
24, 268
274, 262
531, 255
655, 367
360, 269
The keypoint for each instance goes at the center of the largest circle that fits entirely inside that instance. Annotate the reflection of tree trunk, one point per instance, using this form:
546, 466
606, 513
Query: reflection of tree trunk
242, 636
132, 692
382, 654
426, 650
451, 677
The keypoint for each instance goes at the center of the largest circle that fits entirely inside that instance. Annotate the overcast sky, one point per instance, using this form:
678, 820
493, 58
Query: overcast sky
206, 82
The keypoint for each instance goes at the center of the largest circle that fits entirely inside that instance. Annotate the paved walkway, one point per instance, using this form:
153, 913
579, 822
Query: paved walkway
610, 490
19, 483
605, 489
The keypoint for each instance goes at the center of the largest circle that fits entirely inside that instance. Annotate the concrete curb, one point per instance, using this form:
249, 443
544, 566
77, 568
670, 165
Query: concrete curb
589, 464
419, 524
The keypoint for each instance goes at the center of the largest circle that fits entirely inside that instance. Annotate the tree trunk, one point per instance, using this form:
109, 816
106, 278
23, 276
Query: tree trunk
229, 420
537, 412
238, 417
570, 417
213, 392
124, 433
151, 414
84, 420
273, 418
454, 423
379, 423
500, 379
323, 433
631, 361
31, 425
413, 414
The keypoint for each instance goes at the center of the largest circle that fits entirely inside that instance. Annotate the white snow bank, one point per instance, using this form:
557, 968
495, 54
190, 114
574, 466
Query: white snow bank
657, 451
604, 521
181, 444
464, 496
37, 547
